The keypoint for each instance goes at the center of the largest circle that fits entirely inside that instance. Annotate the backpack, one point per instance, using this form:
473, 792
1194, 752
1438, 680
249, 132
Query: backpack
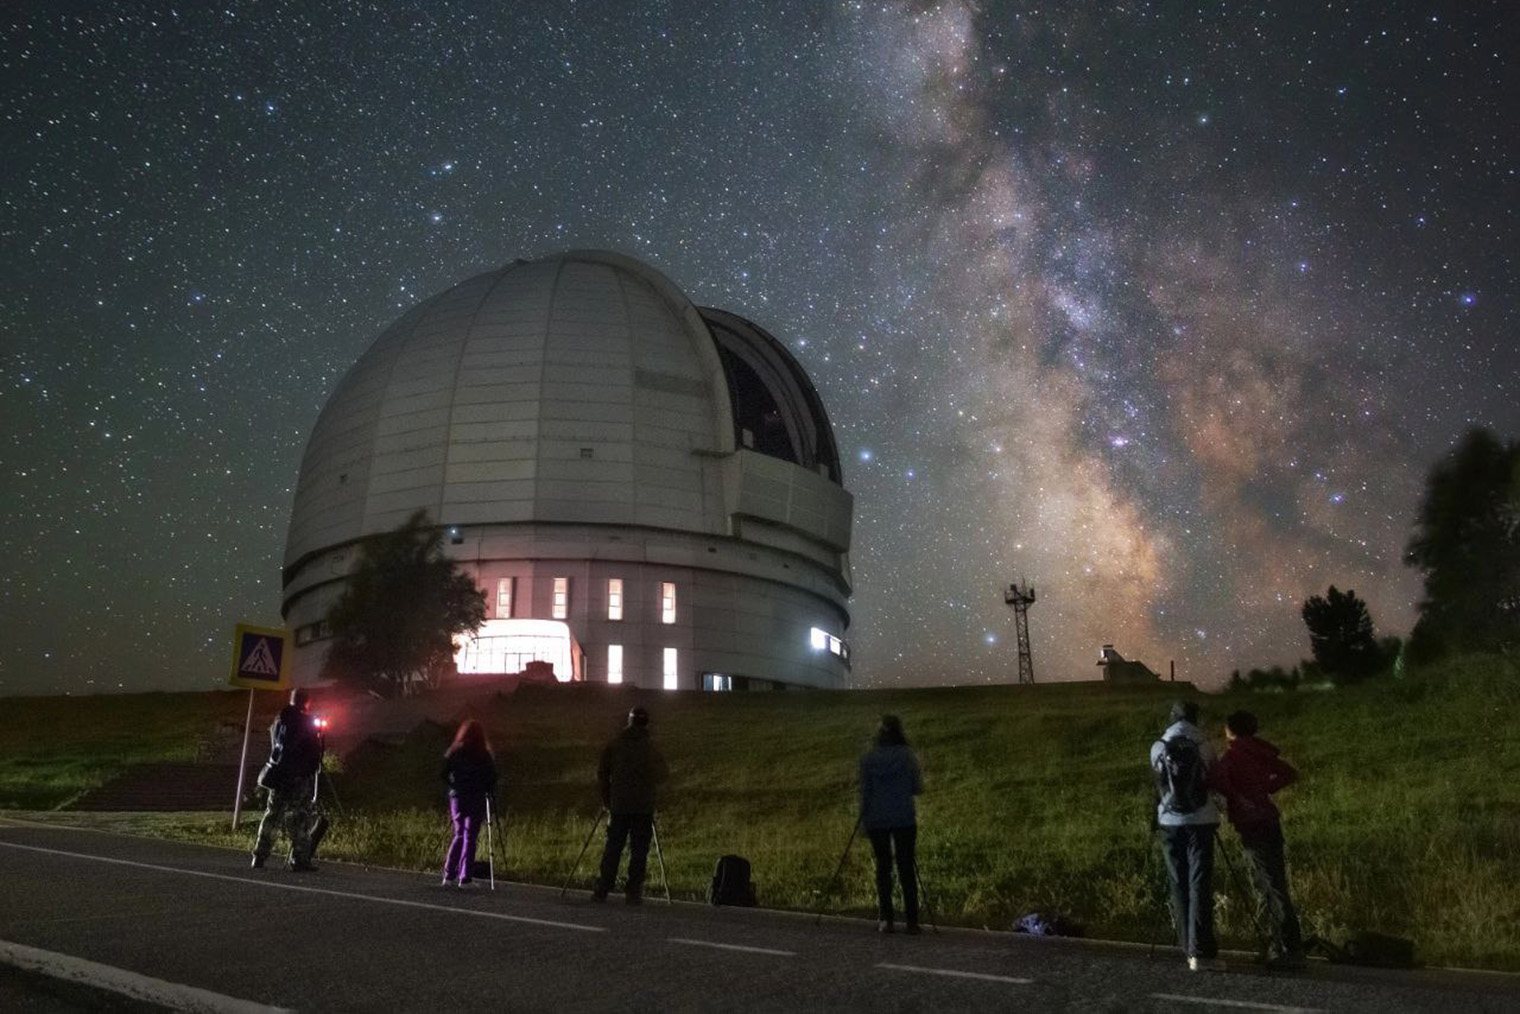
1181, 778
731, 884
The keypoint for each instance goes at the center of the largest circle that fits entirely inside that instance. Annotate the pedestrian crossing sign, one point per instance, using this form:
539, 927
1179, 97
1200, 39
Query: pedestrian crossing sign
258, 658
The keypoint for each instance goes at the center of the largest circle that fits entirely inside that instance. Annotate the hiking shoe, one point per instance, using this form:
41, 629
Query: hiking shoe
448, 882
467, 885
258, 861
1205, 964
598, 894
302, 866
884, 926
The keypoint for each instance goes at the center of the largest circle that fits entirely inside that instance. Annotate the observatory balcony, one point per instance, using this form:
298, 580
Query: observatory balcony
788, 497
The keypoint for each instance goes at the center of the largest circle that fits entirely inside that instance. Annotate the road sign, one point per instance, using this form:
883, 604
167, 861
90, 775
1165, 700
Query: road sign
259, 658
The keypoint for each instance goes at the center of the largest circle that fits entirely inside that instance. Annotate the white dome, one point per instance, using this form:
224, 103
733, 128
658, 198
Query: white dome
577, 419
571, 388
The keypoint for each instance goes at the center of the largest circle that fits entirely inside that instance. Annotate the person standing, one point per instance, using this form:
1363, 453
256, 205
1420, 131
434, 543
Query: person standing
289, 777
889, 779
1250, 771
469, 768
630, 771
1181, 761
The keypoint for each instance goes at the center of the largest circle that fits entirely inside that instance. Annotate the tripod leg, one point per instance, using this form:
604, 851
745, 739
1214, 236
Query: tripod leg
824, 898
490, 844
1241, 888
1171, 916
923, 890
589, 835
659, 854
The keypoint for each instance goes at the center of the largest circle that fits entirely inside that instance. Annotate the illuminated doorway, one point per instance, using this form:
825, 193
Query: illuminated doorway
507, 646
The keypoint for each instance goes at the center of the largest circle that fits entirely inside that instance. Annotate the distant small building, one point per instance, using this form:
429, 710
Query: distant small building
1118, 669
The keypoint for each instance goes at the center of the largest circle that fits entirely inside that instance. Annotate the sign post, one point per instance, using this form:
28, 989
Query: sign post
258, 663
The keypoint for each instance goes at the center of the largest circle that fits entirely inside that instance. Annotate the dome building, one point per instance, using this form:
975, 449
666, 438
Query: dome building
647, 492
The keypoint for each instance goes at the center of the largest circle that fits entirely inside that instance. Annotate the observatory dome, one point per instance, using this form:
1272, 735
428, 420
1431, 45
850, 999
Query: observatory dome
657, 482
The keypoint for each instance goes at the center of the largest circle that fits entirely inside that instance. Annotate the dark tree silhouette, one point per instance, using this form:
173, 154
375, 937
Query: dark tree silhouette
394, 626
1341, 636
1467, 544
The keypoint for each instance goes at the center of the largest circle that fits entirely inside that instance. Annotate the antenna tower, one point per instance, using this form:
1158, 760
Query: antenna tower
1020, 595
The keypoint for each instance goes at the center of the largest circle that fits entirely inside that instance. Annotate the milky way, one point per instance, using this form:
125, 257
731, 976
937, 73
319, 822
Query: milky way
1165, 310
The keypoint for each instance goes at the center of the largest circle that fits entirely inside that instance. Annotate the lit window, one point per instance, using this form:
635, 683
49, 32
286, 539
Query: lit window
614, 598
820, 639
672, 669
561, 598
717, 681
614, 663
836, 645
504, 599
667, 602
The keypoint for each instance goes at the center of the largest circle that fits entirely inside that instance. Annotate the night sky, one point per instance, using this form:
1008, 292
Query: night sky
1166, 307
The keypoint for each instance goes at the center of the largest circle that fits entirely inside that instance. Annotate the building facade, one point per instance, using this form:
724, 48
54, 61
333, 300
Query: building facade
647, 492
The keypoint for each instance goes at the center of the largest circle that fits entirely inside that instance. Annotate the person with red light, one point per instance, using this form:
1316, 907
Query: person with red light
469, 768
289, 777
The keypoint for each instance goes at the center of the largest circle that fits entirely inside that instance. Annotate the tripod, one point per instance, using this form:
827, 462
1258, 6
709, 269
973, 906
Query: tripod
654, 825
923, 890
601, 814
823, 899
1171, 914
1262, 936
493, 820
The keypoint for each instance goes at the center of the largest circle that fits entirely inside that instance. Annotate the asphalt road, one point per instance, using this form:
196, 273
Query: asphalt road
347, 938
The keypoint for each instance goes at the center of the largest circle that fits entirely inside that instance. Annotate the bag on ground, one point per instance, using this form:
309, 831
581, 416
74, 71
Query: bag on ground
1375, 950
731, 884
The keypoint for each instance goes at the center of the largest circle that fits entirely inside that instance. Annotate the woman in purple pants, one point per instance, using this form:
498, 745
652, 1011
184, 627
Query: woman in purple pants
469, 768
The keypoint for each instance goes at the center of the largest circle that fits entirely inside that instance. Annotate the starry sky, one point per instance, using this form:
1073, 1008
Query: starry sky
1165, 307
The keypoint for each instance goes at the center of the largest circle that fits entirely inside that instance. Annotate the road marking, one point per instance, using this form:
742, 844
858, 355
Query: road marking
954, 974
734, 947
303, 888
1241, 1004
130, 984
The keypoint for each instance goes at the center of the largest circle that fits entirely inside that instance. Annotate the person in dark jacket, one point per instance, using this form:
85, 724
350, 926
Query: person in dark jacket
628, 774
289, 777
469, 768
1248, 774
889, 779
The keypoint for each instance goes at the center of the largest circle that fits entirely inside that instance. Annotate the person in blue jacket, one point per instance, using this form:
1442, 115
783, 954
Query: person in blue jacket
469, 768
889, 779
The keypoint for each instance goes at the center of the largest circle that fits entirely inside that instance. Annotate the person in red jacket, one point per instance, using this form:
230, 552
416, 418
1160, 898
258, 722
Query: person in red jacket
1250, 771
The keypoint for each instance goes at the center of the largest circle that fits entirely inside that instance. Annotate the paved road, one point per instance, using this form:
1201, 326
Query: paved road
347, 938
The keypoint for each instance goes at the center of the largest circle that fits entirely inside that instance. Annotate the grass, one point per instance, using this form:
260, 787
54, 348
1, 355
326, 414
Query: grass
1407, 820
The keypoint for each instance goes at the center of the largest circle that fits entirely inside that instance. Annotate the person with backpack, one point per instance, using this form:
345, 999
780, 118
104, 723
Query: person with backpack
889, 779
1250, 771
289, 777
1181, 761
628, 774
469, 768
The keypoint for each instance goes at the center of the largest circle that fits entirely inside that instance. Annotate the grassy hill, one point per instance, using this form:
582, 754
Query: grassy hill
1407, 819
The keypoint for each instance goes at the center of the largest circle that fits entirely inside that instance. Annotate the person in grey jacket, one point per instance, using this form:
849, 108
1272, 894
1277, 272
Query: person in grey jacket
1181, 761
889, 779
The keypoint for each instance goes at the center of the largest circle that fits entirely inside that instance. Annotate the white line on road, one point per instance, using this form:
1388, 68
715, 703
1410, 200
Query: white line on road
733, 947
125, 983
955, 974
1240, 1004
251, 882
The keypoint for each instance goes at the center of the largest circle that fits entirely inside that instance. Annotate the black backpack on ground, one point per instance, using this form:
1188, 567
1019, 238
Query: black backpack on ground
731, 884
1181, 778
